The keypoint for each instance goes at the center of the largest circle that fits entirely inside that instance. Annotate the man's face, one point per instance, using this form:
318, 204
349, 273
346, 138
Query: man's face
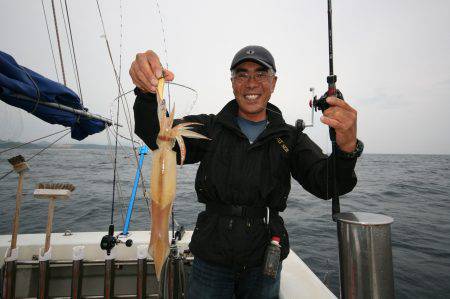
252, 85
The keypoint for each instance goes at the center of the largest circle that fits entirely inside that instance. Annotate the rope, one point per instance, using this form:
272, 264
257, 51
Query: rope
59, 43
68, 39
38, 92
50, 40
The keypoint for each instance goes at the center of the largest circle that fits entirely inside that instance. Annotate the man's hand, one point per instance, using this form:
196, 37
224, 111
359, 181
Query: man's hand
146, 69
342, 117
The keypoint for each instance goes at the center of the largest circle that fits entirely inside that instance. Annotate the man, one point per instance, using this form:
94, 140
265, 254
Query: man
245, 170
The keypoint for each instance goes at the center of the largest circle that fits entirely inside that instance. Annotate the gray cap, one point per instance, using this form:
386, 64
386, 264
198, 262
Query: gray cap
256, 54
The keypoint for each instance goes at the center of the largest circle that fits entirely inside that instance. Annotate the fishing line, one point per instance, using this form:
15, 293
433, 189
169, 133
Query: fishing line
115, 166
119, 185
120, 41
119, 84
142, 182
50, 40
165, 46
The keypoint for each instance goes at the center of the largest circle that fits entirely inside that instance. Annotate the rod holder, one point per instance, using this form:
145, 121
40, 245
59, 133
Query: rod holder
142, 254
44, 277
110, 265
365, 255
44, 272
9, 280
77, 272
173, 278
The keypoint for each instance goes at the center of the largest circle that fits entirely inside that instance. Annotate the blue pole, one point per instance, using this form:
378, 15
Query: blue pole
142, 152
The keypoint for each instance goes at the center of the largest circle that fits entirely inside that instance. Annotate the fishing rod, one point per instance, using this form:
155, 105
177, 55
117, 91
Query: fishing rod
321, 104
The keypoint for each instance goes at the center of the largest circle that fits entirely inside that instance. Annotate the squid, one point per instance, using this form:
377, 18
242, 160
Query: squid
163, 177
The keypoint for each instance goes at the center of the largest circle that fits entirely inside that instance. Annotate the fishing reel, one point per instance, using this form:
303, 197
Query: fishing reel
109, 241
321, 103
300, 124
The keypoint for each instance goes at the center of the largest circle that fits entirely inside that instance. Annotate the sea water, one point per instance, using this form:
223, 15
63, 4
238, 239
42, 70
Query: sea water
413, 189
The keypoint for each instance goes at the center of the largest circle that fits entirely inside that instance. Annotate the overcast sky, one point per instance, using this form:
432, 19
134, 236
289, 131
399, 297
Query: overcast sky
391, 59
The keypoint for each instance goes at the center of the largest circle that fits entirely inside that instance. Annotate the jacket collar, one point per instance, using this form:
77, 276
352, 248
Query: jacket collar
227, 116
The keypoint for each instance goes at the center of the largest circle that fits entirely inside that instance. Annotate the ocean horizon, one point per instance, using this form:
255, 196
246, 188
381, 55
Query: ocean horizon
414, 189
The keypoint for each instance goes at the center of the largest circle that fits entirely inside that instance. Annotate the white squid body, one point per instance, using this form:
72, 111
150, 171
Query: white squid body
164, 178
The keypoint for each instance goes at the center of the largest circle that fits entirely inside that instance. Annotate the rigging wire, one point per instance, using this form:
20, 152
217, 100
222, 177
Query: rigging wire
28, 142
72, 48
68, 41
59, 43
38, 153
50, 40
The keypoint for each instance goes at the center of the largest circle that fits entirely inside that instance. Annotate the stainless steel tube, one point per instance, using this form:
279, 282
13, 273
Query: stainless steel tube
365, 255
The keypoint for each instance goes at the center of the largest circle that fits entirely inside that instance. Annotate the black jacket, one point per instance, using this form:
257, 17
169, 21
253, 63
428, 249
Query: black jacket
233, 171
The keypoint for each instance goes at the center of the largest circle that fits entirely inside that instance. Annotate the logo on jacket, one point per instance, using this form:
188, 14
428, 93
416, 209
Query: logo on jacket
282, 144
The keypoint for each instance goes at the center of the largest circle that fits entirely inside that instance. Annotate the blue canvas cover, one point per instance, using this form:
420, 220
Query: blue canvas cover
17, 80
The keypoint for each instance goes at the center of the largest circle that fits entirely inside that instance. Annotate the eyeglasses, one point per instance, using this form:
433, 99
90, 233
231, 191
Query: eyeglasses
259, 76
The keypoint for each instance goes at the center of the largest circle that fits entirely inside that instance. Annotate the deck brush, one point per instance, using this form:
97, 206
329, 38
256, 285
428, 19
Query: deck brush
19, 166
60, 186
16, 160
52, 192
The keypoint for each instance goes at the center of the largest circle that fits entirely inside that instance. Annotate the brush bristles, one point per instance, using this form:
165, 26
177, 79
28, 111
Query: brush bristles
16, 160
61, 186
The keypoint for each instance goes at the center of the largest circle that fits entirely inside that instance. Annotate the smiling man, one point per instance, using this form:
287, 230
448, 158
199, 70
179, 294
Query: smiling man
245, 172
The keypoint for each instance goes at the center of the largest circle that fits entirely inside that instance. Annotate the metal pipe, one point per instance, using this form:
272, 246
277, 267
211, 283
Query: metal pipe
142, 254
77, 279
108, 290
173, 279
62, 107
142, 278
9, 280
44, 270
77, 272
365, 255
